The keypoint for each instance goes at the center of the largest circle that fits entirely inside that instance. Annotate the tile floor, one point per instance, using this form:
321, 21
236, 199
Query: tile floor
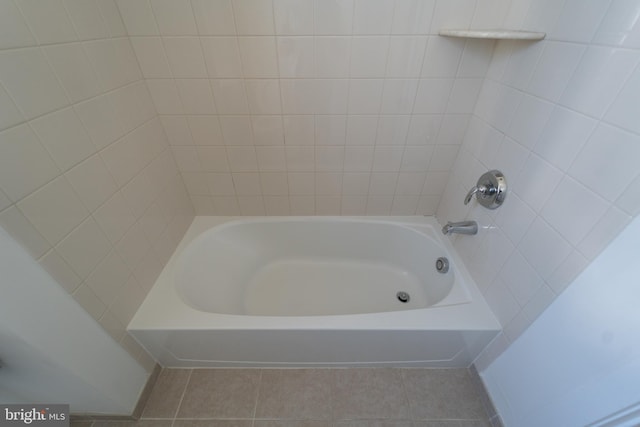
357, 397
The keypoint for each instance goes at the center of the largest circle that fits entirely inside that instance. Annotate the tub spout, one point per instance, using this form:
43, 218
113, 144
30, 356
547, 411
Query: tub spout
462, 227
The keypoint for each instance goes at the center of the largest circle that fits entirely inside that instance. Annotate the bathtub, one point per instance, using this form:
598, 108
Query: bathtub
314, 291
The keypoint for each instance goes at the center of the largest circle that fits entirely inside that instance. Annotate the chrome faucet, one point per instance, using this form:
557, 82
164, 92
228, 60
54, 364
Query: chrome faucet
462, 227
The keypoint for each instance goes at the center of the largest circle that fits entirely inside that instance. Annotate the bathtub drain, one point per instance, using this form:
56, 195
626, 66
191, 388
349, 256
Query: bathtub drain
403, 297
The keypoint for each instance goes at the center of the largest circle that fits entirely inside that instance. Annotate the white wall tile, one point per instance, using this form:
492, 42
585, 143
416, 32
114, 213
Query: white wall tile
302, 205
329, 159
490, 14
373, 16
251, 205
332, 57
92, 182
271, 159
72, 67
151, 56
521, 279
15, 223
63, 135
242, 159
264, 96
61, 272
563, 137
415, 158
301, 183
328, 183
296, 56
369, 56
602, 233
581, 26
236, 130
618, 26
555, 67
54, 210
453, 14
392, 130
89, 301
412, 16
379, 205
177, 130
622, 112
361, 130
358, 159
298, 96
185, 57
410, 183
206, 130
300, 158
230, 96
432, 96
567, 271
607, 162
222, 56
463, 96
214, 17
9, 114
536, 182
543, 248
138, 17
164, 93
220, 184
333, 17
603, 71
48, 20
28, 78
86, 18
299, 130
328, 205
254, 17
112, 18
109, 277
15, 32
19, 146
529, 120
330, 130
330, 96
398, 96
522, 63
174, 17
442, 57
196, 96
293, 16
573, 210
387, 158
259, 57
267, 130
355, 183
274, 183
365, 97
405, 56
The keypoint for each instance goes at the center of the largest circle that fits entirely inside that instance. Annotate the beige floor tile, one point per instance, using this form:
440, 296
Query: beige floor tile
221, 393
291, 423
295, 394
141, 423
373, 423
166, 394
213, 423
368, 393
440, 394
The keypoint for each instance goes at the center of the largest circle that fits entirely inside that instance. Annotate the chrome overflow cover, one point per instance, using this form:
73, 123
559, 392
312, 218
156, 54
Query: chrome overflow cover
403, 296
442, 265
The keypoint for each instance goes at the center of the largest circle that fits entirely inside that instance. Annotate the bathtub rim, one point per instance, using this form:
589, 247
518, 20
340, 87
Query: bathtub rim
164, 309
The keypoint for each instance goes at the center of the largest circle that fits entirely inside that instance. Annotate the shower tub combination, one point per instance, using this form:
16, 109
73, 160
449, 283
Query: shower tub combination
314, 291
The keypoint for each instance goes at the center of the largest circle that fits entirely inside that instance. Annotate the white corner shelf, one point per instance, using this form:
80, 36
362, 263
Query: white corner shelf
494, 34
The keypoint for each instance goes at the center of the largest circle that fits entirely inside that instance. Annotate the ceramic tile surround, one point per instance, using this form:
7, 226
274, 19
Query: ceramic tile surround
555, 117
88, 183
310, 106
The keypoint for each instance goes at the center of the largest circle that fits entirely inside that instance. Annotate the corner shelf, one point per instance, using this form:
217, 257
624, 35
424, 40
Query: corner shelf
494, 34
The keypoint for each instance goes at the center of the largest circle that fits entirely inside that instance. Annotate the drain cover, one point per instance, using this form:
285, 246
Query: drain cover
403, 297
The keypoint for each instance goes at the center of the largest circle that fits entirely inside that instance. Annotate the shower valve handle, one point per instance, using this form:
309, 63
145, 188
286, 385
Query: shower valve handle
490, 190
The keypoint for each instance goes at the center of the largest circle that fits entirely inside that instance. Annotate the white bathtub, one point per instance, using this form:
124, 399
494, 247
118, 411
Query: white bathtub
313, 291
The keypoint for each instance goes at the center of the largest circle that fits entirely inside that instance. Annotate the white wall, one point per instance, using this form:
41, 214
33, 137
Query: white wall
559, 118
305, 107
52, 350
87, 183
580, 361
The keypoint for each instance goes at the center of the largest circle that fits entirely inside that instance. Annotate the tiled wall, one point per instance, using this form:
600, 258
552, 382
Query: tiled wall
311, 107
88, 184
560, 119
